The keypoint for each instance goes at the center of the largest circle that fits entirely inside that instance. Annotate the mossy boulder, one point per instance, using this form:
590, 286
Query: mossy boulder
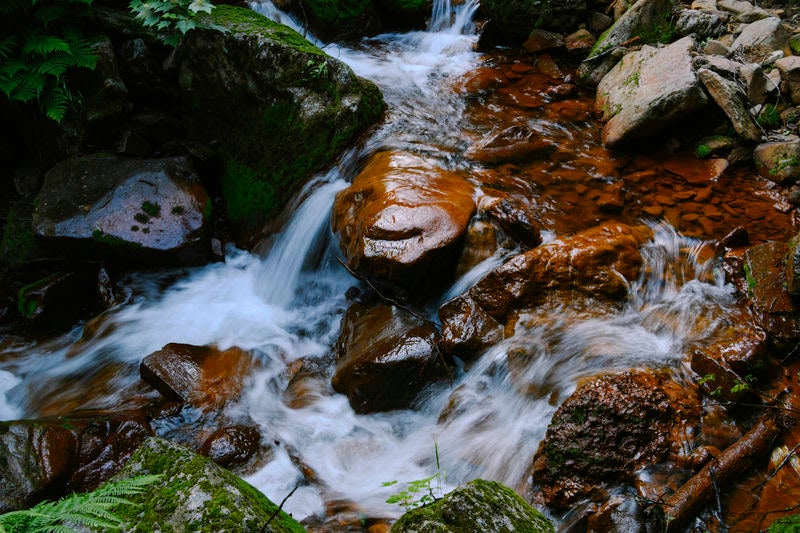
196, 495
279, 107
516, 18
485, 506
787, 524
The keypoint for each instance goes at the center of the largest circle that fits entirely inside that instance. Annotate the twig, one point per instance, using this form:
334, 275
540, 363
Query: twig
279, 509
718, 501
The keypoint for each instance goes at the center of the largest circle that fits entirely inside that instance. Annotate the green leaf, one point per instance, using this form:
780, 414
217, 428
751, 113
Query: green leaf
44, 44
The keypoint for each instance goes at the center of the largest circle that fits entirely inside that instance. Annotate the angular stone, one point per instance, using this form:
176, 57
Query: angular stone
132, 207
645, 17
649, 90
716, 48
386, 356
203, 376
467, 330
789, 67
402, 221
539, 40
759, 87
732, 100
778, 161
579, 42
479, 505
194, 494
759, 39
515, 217
702, 24
706, 5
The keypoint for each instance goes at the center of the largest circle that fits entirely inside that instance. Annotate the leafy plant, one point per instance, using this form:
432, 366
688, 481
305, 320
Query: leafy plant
743, 385
44, 41
172, 18
769, 117
702, 151
420, 492
91, 510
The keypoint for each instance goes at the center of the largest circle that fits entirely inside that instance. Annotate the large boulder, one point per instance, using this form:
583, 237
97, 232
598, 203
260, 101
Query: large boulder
194, 494
280, 108
130, 207
649, 20
485, 506
47, 457
517, 18
609, 428
761, 38
402, 221
649, 90
386, 357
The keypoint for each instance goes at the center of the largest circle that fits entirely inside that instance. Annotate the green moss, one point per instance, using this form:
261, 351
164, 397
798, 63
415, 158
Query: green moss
782, 163
661, 31
702, 151
151, 209
769, 117
602, 45
27, 305
787, 524
749, 278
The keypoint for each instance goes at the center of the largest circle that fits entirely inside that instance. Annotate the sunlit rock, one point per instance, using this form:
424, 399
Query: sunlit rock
402, 221
778, 161
793, 266
761, 38
232, 445
485, 506
467, 330
789, 68
386, 357
203, 376
644, 18
138, 208
50, 457
648, 91
609, 428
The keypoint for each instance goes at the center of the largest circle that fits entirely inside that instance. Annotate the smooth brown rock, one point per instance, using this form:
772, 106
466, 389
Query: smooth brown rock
540, 40
515, 217
402, 221
467, 330
514, 144
580, 41
232, 445
203, 376
386, 357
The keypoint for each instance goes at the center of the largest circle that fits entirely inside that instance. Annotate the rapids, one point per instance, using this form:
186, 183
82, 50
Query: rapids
286, 304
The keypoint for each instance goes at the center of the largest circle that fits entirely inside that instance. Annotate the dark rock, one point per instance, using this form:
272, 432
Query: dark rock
386, 357
48, 457
28, 181
732, 100
467, 330
341, 20
604, 432
203, 376
149, 207
540, 40
579, 42
106, 97
479, 505
517, 19
60, 298
195, 494
515, 217
703, 25
232, 445
403, 14
402, 221
303, 108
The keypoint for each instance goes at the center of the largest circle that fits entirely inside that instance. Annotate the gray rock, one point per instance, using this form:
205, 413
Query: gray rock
649, 90
599, 22
726, 68
758, 86
195, 494
707, 5
731, 99
646, 18
759, 39
702, 24
130, 206
484, 506
717, 48
778, 161
789, 67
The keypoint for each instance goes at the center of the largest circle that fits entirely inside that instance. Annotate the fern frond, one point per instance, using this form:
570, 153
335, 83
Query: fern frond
56, 103
44, 44
82, 51
7, 46
10, 7
49, 13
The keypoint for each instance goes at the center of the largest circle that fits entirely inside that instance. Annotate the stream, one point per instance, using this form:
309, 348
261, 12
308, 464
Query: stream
285, 304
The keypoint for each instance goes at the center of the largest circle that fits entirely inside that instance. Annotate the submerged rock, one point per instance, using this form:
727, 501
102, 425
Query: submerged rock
131, 207
386, 357
485, 506
402, 221
648, 91
279, 107
194, 494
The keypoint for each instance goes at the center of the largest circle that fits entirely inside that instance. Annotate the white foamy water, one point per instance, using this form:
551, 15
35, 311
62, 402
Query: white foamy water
487, 423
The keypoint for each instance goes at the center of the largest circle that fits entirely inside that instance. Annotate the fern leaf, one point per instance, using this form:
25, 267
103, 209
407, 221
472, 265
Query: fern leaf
49, 13
45, 44
7, 46
56, 103
10, 7
83, 52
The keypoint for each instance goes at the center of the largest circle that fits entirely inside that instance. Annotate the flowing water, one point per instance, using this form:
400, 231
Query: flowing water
286, 305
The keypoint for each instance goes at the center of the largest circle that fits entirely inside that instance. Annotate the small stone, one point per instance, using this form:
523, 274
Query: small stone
539, 40
778, 161
599, 22
789, 68
580, 41
707, 5
714, 47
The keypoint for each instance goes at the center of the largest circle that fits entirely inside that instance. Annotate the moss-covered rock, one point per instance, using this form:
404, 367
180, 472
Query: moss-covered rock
196, 495
280, 108
484, 506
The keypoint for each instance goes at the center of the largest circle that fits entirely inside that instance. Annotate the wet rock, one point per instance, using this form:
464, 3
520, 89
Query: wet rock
232, 445
649, 90
732, 100
765, 284
517, 19
194, 494
481, 242
599, 262
203, 376
514, 144
603, 433
59, 299
789, 68
515, 217
309, 106
759, 39
386, 357
46, 458
402, 221
480, 505
644, 18
793, 266
697, 172
131, 207
540, 40
579, 42
702, 24
778, 161
106, 96
338, 20
467, 330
